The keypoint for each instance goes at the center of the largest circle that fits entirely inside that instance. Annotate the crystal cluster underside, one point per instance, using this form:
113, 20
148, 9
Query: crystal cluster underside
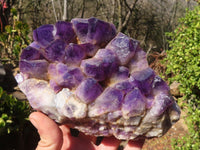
85, 74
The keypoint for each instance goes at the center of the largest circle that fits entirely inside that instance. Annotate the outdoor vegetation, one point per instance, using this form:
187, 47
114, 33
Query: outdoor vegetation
168, 30
183, 62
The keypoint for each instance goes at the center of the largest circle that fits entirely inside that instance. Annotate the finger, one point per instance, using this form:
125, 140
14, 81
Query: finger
110, 143
134, 145
89, 137
75, 143
50, 133
66, 136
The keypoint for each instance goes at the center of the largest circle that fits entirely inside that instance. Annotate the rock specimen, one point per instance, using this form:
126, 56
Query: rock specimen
85, 74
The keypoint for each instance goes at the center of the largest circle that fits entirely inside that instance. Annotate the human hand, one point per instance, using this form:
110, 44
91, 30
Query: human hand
54, 137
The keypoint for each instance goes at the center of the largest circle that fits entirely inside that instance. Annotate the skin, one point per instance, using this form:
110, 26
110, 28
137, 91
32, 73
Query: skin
54, 137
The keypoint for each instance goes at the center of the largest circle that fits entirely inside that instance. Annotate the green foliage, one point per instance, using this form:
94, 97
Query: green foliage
13, 113
192, 140
184, 57
183, 62
14, 38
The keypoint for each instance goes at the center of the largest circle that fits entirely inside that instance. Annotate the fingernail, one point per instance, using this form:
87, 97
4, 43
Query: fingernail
33, 122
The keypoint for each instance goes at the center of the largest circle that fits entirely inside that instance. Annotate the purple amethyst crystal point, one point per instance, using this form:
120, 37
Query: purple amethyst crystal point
100, 32
34, 68
81, 28
110, 100
124, 47
63, 76
134, 104
139, 61
93, 68
88, 90
99, 68
161, 103
90, 49
110, 61
106, 53
44, 35
93, 31
86, 75
65, 31
124, 86
31, 53
74, 54
55, 51
121, 74
159, 85
143, 80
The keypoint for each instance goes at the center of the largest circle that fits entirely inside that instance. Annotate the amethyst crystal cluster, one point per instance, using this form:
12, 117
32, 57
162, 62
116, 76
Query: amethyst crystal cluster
85, 74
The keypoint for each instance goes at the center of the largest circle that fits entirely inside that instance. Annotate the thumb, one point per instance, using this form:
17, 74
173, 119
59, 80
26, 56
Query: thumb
50, 133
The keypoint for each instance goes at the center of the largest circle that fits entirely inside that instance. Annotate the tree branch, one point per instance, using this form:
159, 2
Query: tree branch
59, 4
125, 22
119, 15
65, 10
83, 9
113, 11
54, 11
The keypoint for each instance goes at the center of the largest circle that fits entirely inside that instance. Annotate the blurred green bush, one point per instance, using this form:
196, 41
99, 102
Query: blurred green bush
14, 38
183, 64
13, 113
